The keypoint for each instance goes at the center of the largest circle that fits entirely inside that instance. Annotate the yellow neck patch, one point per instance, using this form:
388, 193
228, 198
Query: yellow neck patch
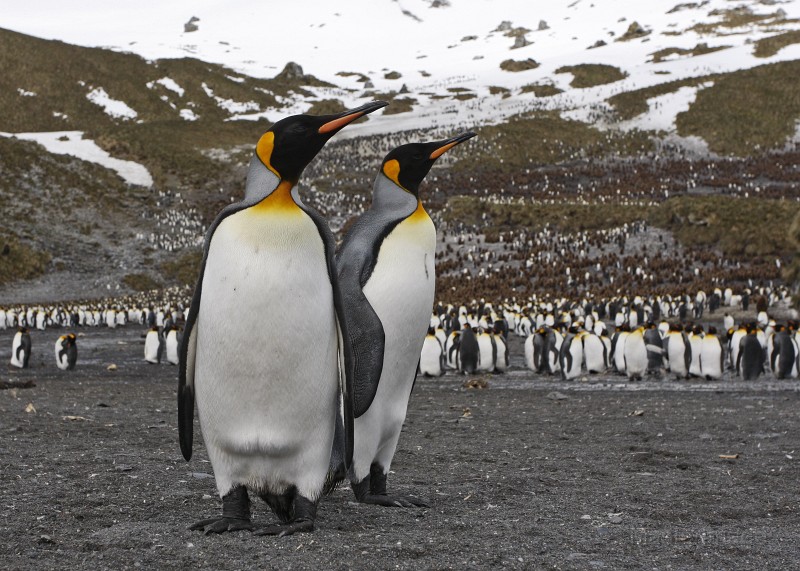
264, 150
278, 201
419, 215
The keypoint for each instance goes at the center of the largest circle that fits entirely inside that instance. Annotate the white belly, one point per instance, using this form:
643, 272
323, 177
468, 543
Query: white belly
401, 291
266, 376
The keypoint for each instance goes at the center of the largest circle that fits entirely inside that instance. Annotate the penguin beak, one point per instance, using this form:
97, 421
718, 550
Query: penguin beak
450, 143
347, 117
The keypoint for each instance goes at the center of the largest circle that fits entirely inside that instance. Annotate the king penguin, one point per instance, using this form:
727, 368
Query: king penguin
711, 355
66, 352
21, 348
387, 275
431, 359
268, 424
153, 346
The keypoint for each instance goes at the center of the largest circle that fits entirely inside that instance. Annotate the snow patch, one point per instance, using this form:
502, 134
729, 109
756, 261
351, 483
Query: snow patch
72, 143
112, 107
25, 93
167, 83
188, 115
229, 105
664, 109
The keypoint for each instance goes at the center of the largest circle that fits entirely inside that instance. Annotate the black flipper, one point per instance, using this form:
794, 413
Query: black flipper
355, 262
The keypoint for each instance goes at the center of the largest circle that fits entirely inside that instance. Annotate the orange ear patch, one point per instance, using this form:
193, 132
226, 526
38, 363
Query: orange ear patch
264, 149
392, 171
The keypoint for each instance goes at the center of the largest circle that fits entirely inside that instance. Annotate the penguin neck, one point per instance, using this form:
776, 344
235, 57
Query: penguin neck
265, 192
279, 200
387, 196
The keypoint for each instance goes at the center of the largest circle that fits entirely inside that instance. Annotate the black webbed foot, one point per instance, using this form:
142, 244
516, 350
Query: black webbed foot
284, 529
372, 490
394, 501
221, 524
235, 514
297, 514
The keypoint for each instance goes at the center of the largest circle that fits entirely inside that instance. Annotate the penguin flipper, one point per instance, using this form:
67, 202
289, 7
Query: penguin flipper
186, 359
367, 339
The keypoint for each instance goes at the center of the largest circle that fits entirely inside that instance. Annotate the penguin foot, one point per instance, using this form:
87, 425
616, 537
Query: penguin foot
372, 490
221, 524
235, 514
305, 512
393, 501
284, 529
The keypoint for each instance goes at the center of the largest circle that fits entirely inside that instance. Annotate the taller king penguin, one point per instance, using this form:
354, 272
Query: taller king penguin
268, 405
387, 275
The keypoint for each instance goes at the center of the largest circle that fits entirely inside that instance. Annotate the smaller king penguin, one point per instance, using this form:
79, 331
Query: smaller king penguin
387, 275
21, 348
66, 352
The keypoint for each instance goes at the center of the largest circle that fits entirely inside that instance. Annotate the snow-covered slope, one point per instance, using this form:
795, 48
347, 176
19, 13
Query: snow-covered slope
432, 46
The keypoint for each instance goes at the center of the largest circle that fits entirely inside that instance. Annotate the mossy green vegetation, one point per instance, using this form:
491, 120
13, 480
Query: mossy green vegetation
19, 261
541, 89
768, 47
592, 74
495, 217
183, 269
734, 226
698, 50
545, 138
747, 111
140, 282
518, 65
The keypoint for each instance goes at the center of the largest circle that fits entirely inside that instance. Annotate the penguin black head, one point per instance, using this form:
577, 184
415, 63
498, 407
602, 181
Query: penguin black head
290, 144
408, 164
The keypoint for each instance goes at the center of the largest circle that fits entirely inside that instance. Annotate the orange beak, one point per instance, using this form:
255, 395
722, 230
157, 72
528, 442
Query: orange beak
344, 119
450, 143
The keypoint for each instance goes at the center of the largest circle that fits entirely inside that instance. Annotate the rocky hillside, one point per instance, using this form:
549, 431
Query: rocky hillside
681, 123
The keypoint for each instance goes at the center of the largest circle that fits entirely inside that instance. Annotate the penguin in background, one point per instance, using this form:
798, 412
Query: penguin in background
595, 353
269, 424
571, 354
21, 348
172, 341
552, 350
712, 355
695, 336
635, 354
386, 268
727, 321
431, 360
679, 351
501, 353
66, 352
534, 350
467, 351
618, 348
750, 360
655, 349
783, 359
153, 346
735, 344
487, 349
451, 349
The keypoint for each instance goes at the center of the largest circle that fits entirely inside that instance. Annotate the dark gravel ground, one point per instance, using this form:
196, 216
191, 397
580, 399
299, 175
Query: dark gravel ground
528, 473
